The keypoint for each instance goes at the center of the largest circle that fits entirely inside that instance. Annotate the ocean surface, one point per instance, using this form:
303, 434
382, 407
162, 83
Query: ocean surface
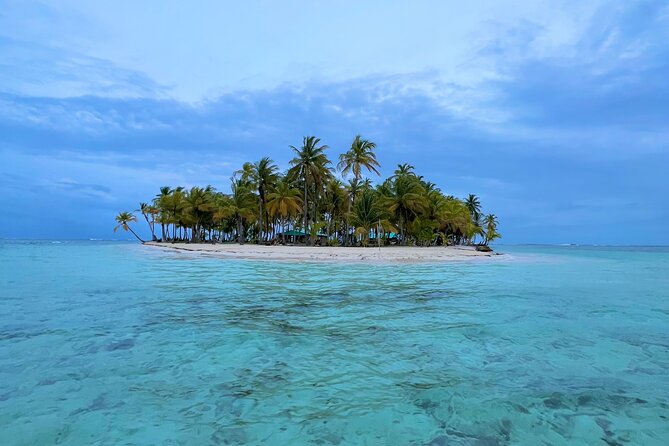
112, 343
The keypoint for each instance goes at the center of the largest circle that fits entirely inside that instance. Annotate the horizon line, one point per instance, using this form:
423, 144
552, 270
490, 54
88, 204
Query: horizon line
565, 245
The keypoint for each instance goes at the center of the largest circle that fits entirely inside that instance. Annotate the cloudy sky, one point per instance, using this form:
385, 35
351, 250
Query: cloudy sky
556, 113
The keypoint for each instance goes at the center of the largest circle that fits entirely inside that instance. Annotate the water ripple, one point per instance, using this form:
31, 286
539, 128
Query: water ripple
108, 343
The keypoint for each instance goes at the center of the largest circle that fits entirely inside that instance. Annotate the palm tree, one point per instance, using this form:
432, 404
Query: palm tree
174, 204
454, 218
245, 173
310, 165
310, 198
490, 221
474, 205
147, 210
198, 203
405, 197
404, 169
159, 202
334, 205
352, 190
241, 206
361, 154
265, 175
367, 214
284, 202
124, 219
221, 213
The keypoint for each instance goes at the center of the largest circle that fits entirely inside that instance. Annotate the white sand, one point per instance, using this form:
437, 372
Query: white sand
393, 254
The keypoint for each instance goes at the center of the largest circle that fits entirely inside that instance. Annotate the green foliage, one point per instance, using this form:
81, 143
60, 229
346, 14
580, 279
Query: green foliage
311, 167
490, 222
124, 219
266, 203
284, 201
424, 231
361, 154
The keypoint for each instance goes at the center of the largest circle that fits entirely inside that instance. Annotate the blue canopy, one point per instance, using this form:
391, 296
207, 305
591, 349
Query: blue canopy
388, 235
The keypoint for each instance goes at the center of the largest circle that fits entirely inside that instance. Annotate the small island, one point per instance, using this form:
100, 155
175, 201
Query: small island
405, 216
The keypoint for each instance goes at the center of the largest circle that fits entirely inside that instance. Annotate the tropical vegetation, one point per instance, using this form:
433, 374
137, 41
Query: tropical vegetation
317, 203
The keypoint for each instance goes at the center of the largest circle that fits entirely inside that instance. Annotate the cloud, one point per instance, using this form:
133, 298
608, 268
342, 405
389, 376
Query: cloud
555, 117
33, 69
96, 191
254, 46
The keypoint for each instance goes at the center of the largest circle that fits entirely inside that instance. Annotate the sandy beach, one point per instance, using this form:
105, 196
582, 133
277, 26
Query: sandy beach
392, 254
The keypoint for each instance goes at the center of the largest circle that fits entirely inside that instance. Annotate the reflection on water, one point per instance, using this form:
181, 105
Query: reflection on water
118, 344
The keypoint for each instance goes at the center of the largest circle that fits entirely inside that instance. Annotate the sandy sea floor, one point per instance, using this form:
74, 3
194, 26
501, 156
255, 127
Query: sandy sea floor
400, 254
118, 343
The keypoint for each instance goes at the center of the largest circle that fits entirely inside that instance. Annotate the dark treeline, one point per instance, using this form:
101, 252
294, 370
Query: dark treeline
312, 204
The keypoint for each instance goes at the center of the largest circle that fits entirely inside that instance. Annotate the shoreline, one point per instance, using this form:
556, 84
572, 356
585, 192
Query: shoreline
386, 254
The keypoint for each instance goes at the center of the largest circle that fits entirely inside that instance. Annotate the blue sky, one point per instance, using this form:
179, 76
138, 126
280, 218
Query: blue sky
556, 113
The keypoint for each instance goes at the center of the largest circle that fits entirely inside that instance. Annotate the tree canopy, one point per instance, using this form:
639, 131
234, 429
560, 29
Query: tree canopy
264, 204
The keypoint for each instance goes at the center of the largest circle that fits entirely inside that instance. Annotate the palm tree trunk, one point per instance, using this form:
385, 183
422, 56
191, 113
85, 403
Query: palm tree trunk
348, 211
240, 230
133, 233
306, 208
152, 225
259, 219
153, 236
312, 240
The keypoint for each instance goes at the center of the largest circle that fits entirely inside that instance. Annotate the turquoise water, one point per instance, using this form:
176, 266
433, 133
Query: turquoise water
114, 343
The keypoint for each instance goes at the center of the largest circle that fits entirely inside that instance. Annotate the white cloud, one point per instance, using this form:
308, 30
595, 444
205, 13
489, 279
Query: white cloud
251, 46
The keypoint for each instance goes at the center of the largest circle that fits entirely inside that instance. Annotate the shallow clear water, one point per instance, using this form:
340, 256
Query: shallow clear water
114, 343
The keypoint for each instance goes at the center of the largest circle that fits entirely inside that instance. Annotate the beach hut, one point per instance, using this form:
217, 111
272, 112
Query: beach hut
386, 238
295, 236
